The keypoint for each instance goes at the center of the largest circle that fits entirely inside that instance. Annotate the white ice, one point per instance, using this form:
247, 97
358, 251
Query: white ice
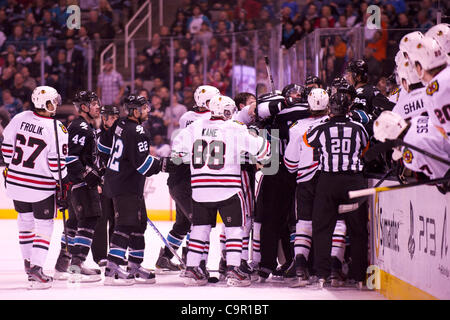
13, 281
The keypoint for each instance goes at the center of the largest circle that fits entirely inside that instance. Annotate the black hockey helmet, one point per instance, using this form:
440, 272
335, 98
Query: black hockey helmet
109, 110
85, 97
358, 68
311, 79
134, 102
294, 93
339, 104
346, 87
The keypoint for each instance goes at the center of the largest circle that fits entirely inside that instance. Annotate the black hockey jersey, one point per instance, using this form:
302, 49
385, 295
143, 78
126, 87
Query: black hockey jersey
371, 100
130, 160
82, 149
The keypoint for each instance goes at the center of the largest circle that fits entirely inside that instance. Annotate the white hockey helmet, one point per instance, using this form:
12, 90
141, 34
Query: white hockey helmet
203, 94
318, 99
219, 104
42, 95
441, 33
429, 54
405, 69
389, 125
409, 42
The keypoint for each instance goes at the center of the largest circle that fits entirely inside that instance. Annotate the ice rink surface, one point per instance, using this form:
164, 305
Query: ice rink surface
13, 281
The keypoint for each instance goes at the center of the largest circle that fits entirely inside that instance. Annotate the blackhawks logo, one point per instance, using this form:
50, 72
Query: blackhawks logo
407, 156
432, 88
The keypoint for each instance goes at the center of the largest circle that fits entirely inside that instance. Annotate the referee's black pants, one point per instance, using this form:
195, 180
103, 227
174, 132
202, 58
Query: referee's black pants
275, 206
332, 190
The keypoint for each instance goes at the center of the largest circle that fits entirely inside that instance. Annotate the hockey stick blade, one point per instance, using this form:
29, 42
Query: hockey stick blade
166, 243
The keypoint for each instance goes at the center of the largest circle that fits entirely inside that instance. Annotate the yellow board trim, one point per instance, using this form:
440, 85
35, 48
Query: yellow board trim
394, 288
154, 215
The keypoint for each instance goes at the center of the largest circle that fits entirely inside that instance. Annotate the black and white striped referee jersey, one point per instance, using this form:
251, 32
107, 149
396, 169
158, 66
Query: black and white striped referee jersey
341, 143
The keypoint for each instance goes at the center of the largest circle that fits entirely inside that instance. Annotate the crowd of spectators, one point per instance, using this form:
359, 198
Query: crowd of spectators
198, 29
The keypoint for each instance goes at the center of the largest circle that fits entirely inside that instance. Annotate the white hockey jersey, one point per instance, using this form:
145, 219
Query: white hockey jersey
214, 147
29, 149
438, 92
298, 157
424, 135
190, 116
411, 104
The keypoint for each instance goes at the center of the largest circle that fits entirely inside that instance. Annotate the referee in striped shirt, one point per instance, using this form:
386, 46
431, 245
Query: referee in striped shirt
341, 142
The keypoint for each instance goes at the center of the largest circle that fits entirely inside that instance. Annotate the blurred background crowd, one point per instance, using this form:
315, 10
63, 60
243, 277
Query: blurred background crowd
198, 28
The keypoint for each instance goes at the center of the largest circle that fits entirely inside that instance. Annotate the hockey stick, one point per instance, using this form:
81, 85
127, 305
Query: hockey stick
371, 191
166, 243
63, 212
269, 73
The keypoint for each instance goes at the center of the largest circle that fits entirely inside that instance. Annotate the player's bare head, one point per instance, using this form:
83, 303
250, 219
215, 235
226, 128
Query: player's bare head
222, 107
46, 100
243, 99
137, 107
203, 94
87, 103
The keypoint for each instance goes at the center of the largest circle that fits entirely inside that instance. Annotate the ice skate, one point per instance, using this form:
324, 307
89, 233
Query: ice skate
38, 280
79, 273
236, 277
141, 275
194, 276
165, 265
301, 272
61, 266
116, 276
247, 268
222, 269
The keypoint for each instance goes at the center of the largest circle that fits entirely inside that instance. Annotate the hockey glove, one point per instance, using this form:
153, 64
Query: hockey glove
91, 177
360, 116
62, 194
167, 165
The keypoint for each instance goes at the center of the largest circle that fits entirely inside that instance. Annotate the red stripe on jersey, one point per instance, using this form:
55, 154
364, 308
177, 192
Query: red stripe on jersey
290, 165
336, 240
42, 241
195, 246
31, 181
256, 245
55, 165
6, 150
214, 180
234, 245
26, 237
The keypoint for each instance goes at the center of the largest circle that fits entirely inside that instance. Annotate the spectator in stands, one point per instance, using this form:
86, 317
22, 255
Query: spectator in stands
217, 81
312, 13
307, 27
105, 11
178, 90
172, 115
28, 25
23, 59
155, 123
59, 12
373, 65
157, 48
342, 22
351, 15
423, 22
37, 37
195, 21
142, 66
50, 28
204, 7
164, 94
399, 5
58, 75
7, 77
14, 11
293, 6
251, 7
19, 91
75, 59
263, 19
10, 103
223, 19
223, 64
340, 52
35, 66
37, 9
188, 97
192, 71
289, 35
157, 84
326, 14
5, 27
110, 85
182, 57
17, 39
28, 81
197, 80
159, 69
204, 35
186, 7
178, 74
240, 21
178, 27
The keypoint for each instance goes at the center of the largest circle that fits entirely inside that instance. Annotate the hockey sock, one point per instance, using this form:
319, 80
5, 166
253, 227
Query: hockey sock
70, 239
338, 242
136, 248
83, 238
25, 224
197, 243
41, 242
245, 240
175, 240
233, 245
222, 242
303, 238
256, 242
119, 245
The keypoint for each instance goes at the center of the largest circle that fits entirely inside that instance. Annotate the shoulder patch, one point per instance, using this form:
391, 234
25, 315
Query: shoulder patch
432, 87
395, 91
140, 129
63, 128
407, 156
84, 125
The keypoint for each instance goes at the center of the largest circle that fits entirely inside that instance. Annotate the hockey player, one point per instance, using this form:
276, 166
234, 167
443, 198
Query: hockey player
430, 62
421, 133
84, 176
410, 104
109, 116
441, 33
179, 183
34, 149
275, 199
214, 147
129, 164
341, 143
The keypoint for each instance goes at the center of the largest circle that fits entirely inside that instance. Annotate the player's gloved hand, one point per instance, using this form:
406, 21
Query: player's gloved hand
167, 165
62, 194
359, 116
5, 174
91, 177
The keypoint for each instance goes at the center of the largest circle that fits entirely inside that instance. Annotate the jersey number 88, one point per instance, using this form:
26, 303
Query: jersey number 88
212, 154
